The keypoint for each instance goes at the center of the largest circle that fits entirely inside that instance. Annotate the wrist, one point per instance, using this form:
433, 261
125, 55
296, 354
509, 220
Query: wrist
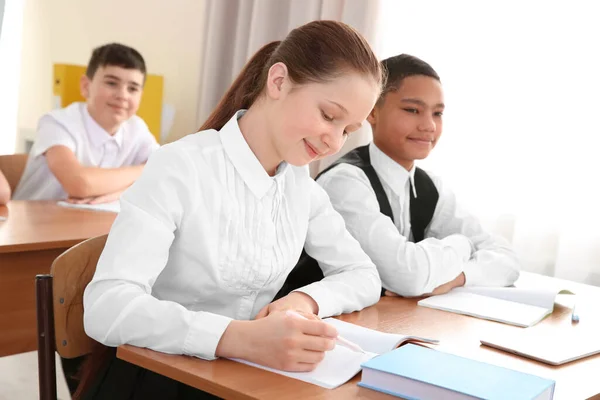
234, 340
460, 280
314, 307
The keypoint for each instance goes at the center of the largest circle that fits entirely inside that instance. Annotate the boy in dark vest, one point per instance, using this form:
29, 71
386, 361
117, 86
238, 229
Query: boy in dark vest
407, 221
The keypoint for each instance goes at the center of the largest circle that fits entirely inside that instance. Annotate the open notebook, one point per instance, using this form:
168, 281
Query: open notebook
510, 305
110, 207
341, 363
554, 348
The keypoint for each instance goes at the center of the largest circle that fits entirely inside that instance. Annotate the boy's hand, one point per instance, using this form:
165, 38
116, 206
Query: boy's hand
105, 198
296, 301
76, 200
442, 289
448, 286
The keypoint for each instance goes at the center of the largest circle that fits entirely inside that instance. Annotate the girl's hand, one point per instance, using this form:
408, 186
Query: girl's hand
296, 301
279, 341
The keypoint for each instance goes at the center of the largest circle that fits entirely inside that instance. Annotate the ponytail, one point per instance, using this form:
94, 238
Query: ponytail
244, 90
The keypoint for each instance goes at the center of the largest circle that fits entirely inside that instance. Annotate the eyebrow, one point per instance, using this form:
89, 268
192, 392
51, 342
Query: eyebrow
422, 103
356, 125
339, 105
110, 76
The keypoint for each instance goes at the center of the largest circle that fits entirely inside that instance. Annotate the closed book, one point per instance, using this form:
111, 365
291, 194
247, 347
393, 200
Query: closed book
416, 372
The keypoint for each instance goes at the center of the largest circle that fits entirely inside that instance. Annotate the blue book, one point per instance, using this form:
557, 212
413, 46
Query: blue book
416, 372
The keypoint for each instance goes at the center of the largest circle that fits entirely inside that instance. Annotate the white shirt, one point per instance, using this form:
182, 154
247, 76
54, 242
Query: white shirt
454, 241
205, 236
74, 128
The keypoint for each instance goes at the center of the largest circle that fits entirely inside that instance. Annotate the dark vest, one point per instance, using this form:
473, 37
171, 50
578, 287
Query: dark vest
307, 269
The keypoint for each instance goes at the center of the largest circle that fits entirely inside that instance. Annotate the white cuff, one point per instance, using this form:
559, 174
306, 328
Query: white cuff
205, 332
461, 244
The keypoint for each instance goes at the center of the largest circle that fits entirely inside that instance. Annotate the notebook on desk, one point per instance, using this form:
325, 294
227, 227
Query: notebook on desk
342, 364
554, 348
113, 206
515, 306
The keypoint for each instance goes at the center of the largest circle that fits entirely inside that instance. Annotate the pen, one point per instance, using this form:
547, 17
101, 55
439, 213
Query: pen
340, 340
574, 315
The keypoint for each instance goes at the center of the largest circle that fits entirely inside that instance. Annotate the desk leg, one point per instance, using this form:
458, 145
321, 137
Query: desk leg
17, 298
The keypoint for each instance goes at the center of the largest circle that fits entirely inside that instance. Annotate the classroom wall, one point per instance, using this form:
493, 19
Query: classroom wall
167, 33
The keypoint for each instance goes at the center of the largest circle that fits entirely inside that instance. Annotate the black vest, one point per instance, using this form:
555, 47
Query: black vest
307, 269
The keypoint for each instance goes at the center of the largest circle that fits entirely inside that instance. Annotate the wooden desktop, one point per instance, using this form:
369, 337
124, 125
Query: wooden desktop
32, 235
458, 334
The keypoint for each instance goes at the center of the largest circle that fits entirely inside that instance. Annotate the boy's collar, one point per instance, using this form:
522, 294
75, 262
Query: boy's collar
98, 135
394, 174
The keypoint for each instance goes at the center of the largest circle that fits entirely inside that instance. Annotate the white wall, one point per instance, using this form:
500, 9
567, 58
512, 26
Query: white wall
167, 33
10, 57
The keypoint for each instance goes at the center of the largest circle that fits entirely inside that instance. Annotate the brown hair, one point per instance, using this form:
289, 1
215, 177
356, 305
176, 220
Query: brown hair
115, 54
315, 52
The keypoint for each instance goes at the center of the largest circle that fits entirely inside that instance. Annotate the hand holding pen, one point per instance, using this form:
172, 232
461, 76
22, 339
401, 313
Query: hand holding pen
340, 340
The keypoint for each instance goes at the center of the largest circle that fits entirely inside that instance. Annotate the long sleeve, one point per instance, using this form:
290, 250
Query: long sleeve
493, 262
406, 268
119, 305
351, 281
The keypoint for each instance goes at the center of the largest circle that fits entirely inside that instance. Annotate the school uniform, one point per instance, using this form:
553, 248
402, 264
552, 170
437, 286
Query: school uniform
74, 128
452, 242
206, 236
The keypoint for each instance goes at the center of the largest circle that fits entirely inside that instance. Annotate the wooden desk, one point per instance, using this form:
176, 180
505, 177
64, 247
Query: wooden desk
32, 236
458, 334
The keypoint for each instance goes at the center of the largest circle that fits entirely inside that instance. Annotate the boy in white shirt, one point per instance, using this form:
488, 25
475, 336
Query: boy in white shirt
91, 152
409, 223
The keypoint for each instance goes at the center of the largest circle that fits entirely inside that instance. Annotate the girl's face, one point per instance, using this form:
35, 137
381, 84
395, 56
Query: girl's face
408, 122
313, 120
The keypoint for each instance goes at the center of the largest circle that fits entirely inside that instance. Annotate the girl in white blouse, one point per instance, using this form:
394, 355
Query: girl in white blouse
208, 233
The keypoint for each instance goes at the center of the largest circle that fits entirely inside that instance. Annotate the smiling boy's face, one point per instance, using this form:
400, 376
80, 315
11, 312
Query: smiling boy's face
113, 95
407, 123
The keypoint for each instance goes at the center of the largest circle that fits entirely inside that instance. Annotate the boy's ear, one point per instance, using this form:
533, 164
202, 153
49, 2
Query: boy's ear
84, 86
372, 117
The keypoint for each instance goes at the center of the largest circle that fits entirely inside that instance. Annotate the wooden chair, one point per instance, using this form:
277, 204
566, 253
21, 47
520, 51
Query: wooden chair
59, 303
12, 166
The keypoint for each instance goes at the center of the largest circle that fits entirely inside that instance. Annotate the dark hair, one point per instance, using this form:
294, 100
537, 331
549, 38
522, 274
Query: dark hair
402, 66
315, 52
115, 54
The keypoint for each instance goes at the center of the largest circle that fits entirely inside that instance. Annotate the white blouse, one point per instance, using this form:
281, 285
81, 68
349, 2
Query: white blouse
205, 236
454, 241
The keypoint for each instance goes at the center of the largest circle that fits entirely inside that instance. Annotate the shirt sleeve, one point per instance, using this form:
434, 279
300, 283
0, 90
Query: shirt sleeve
119, 306
146, 145
406, 268
351, 281
493, 262
49, 134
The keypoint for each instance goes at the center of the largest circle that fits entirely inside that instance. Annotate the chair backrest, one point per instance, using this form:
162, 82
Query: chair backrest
12, 166
71, 272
